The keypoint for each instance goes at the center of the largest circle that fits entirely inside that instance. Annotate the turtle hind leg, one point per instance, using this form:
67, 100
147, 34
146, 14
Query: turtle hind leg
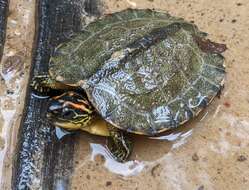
44, 85
119, 144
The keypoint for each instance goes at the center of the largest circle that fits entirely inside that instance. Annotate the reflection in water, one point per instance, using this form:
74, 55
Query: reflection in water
8, 108
133, 4
8, 76
7, 118
217, 111
179, 138
39, 97
129, 168
61, 185
169, 137
134, 167
204, 116
182, 139
60, 133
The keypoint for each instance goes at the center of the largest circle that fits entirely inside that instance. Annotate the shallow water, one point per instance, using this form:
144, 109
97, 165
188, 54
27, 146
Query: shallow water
210, 152
205, 153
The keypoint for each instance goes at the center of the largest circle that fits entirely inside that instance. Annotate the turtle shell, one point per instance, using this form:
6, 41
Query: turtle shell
144, 71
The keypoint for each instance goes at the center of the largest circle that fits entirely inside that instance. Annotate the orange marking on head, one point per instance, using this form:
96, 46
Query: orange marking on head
71, 93
84, 102
58, 97
78, 106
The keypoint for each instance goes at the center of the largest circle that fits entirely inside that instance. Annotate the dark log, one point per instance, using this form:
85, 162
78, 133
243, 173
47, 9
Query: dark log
4, 4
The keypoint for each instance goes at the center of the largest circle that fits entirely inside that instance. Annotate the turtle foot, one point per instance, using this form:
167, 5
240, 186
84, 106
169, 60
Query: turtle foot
119, 145
41, 85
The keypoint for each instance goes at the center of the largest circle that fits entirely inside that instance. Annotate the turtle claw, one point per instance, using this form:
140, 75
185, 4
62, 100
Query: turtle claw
41, 85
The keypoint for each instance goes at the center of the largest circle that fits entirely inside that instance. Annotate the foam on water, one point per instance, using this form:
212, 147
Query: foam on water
129, 168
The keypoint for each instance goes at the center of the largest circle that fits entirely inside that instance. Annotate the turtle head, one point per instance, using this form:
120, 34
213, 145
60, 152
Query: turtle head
70, 111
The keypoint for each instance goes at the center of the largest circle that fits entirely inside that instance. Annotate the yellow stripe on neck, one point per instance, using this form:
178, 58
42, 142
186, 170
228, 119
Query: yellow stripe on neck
97, 127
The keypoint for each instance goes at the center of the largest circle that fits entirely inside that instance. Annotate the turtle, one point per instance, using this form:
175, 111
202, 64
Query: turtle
137, 71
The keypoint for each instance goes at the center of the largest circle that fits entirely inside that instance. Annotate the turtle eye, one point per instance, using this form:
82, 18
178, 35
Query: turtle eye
68, 114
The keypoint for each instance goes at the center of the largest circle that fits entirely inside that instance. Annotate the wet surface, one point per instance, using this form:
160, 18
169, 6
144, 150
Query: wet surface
42, 160
206, 152
14, 69
209, 152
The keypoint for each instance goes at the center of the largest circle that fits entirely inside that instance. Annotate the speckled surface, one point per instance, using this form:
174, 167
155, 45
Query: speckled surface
3, 18
210, 152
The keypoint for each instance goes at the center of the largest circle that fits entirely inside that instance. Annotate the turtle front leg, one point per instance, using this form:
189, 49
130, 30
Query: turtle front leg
119, 144
44, 84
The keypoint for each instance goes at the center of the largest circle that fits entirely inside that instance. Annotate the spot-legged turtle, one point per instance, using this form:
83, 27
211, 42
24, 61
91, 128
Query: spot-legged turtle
143, 72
